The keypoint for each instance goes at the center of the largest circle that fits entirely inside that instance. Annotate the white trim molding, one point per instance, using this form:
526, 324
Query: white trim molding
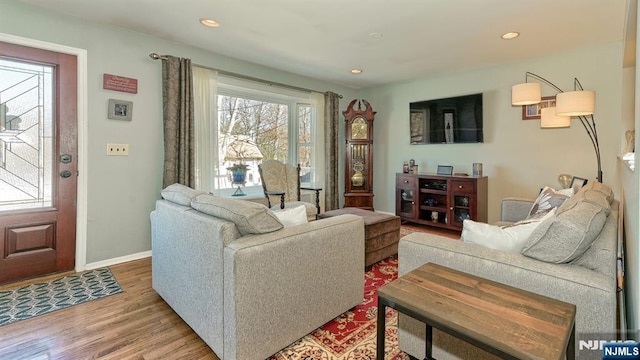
118, 260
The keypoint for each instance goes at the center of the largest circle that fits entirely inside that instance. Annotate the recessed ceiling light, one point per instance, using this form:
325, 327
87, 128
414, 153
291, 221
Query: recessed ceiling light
356, 71
209, 23
510, 35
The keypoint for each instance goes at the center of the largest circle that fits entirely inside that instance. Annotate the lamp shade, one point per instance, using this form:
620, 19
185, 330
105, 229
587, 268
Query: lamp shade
576, 103
549, 119
525, 94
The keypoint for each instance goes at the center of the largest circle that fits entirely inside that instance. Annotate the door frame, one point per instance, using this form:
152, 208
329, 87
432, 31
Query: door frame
81, 199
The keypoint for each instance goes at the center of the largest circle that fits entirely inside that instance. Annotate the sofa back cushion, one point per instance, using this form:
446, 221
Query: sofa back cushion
601, 188
586, 195
603, 253
180, 194
566, 236
249, 217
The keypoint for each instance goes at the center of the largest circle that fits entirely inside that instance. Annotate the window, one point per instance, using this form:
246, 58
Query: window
305, 142
253, 126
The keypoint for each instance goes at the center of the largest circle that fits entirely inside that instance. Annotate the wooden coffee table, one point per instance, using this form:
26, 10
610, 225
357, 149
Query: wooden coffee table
506, 321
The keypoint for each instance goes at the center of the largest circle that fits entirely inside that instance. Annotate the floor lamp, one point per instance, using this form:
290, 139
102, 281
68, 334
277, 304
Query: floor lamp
579, 103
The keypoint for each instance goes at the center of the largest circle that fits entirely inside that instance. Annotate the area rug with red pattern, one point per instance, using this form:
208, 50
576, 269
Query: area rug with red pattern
352, 335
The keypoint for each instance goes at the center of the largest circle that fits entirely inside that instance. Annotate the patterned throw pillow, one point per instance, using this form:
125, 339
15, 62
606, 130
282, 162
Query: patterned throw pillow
548, 199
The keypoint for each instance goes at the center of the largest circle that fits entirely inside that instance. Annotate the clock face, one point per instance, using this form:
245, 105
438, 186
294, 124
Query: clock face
359, 129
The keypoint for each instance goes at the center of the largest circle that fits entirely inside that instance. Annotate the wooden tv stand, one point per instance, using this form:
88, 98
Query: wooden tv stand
440, 200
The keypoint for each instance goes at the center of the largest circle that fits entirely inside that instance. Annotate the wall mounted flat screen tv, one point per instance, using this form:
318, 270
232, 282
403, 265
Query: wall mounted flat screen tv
447, 121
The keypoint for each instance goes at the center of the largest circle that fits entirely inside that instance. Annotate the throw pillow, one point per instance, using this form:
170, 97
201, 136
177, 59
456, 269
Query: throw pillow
250, 217
548, 199
565, 237
180, 194
510, 238
292, 217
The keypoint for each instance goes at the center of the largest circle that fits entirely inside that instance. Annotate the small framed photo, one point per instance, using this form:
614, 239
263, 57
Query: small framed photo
445, 170
577, 183
532, 112
120, 110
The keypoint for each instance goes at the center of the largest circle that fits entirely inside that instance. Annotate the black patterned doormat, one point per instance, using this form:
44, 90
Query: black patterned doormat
41, 298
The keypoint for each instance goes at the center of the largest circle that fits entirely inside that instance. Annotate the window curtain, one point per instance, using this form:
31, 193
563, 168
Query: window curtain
177, 106
331, 116
318, 161
205, 88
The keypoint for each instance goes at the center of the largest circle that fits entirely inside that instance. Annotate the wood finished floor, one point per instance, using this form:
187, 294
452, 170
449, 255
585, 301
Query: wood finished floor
135, 324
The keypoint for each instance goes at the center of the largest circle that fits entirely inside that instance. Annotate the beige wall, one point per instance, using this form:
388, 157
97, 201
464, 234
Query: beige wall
519, 158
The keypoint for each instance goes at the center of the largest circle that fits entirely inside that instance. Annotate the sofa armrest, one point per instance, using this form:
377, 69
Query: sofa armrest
313, 271
515, 209
187, 266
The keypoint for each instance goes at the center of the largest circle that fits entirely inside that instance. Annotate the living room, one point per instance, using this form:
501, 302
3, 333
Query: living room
518, 156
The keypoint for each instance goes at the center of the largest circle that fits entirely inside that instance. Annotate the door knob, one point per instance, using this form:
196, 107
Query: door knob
65, 173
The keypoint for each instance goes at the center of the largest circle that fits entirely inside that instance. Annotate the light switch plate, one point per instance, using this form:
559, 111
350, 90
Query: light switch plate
117, 149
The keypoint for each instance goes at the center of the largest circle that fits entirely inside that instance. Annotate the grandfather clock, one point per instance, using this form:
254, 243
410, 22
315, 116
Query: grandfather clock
359, 163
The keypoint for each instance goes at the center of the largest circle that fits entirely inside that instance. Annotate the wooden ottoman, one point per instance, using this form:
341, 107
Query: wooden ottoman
381, 232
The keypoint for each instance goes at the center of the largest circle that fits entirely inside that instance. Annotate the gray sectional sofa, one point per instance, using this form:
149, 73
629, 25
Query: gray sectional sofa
588, 280
246, 285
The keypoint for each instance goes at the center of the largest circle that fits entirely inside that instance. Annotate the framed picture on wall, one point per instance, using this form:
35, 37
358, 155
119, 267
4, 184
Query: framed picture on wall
532, 112
120, 110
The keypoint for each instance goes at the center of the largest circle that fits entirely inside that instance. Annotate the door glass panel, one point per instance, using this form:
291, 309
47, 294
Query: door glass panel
26, 135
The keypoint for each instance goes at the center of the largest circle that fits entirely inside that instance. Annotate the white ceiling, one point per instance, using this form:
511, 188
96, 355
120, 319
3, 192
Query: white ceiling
324, 39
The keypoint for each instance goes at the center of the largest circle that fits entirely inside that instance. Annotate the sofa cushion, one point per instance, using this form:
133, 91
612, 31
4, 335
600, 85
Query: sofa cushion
249, 217
566, 236
510, 238
587, 195
601, 188
293, 216
180, 194
548, 199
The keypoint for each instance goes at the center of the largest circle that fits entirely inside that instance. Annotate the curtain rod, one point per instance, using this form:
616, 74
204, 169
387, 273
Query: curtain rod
155, 56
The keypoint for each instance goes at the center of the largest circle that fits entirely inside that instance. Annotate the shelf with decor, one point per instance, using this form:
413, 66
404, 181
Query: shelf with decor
441, 200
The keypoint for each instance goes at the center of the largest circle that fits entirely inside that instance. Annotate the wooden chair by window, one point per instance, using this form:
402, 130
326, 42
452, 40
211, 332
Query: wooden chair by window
281, 185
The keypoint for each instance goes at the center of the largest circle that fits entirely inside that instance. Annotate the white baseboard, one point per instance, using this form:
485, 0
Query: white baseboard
118, 260
385, 212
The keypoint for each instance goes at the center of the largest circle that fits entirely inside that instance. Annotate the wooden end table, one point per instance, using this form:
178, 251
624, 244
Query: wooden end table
509, 322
